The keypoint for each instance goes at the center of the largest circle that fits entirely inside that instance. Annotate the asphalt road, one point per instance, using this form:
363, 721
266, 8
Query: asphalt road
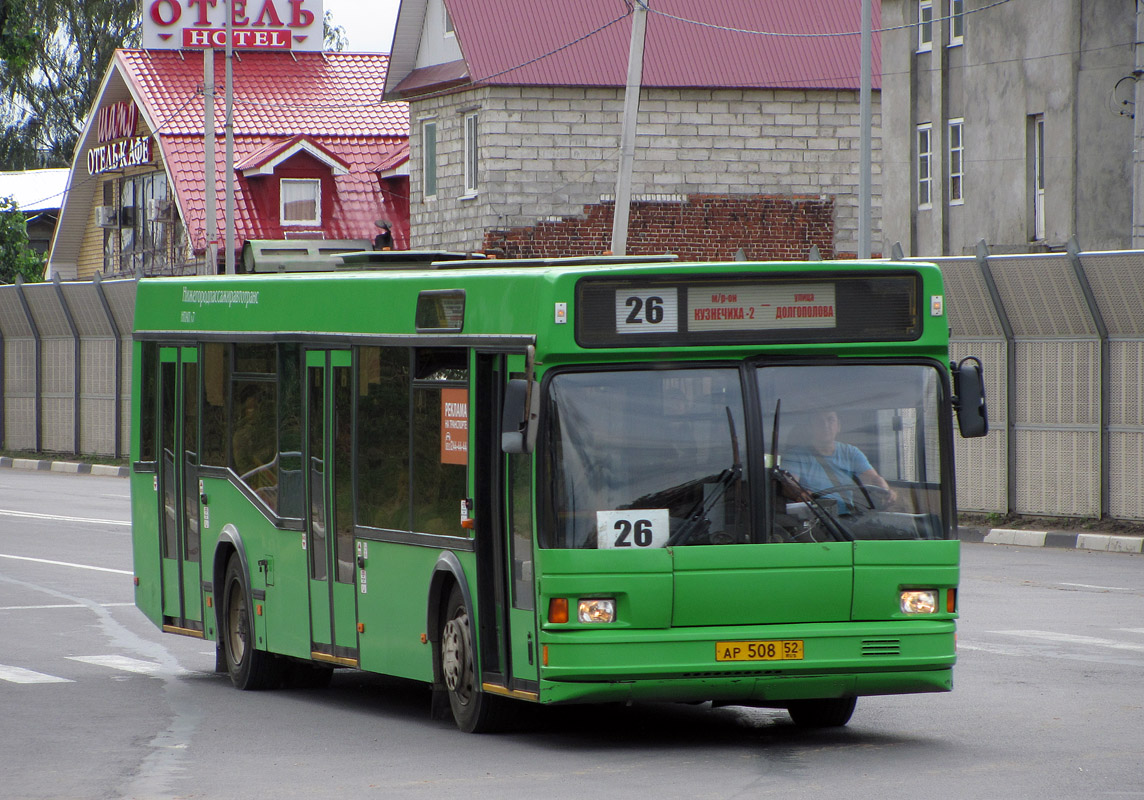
96, 703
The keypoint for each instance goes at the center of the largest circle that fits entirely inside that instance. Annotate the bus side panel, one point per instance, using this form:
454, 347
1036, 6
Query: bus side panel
145, 546
393, 608
284, 624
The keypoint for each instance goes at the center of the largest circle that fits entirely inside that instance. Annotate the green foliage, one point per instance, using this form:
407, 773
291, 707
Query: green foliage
53, 56
334, 36
16, 257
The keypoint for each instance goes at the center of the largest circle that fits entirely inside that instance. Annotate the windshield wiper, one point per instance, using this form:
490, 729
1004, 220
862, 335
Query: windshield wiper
698, 513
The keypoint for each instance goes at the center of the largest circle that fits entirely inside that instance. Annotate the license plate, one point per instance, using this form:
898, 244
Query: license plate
760, 650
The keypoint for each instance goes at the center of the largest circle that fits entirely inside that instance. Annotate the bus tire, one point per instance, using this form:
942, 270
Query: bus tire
473, 710
829, 713
249, 668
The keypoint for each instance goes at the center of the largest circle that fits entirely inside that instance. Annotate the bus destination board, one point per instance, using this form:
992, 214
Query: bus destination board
736, 308
663, 311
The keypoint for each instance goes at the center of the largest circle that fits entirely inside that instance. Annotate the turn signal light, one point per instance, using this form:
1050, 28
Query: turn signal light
951, 601
558, 609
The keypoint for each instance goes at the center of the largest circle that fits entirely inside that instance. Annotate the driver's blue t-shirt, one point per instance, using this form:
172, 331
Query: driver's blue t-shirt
846, 461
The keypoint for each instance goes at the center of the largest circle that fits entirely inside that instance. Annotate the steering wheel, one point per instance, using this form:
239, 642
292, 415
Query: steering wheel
878, 497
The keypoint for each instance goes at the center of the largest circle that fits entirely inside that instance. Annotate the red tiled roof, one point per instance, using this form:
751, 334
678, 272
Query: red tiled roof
332, 98
282, 149
331, 94
705, 44
357, 203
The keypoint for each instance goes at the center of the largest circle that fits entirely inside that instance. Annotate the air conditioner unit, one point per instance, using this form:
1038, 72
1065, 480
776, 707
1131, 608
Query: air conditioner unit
107, 216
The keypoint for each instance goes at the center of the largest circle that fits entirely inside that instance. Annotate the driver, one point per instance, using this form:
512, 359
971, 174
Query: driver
825, 462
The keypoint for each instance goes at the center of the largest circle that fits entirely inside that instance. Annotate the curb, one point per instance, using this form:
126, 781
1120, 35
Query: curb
70, 467
1071, 540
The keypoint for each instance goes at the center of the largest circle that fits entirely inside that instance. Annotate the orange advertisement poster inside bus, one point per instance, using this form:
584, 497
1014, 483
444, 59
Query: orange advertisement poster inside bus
454, 426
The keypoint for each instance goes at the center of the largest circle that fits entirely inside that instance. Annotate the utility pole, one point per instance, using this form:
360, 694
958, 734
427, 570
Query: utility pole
210, 166
1138, 135
865, 136
229, 243
628, 130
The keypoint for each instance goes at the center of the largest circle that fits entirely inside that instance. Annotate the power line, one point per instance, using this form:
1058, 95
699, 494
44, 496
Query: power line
784, 35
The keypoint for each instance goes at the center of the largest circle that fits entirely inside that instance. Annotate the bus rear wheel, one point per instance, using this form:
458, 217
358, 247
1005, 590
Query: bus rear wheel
831, 713
475, 711
248, 667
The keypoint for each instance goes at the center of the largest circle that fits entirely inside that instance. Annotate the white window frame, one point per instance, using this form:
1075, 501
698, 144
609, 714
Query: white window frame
1037, 175
447, 23
956, 162
472, 153
925, 26
924, 138
429, 159
314, 182
956, 23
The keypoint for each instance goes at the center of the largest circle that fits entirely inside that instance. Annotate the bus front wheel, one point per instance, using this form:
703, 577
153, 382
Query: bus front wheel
475, 711
249, 667
832, 713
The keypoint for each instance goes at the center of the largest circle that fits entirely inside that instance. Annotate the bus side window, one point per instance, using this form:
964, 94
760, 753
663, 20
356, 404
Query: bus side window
520, 529
149, 367
383, 438
216, 375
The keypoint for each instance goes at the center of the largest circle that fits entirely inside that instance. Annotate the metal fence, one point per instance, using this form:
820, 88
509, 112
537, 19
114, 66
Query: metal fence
1062, 339
65, 366
1061, 336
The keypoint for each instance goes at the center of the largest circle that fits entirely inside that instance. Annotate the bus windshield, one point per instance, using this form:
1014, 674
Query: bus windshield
645, 458
860, 444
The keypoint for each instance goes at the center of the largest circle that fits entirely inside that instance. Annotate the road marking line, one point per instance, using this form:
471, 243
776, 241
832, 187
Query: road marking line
20, 675
1068, 638
1103, 588
68, 564
62, 605
122, 663
58, 518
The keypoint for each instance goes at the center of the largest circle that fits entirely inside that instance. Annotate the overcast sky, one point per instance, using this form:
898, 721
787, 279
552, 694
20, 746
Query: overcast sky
369, 23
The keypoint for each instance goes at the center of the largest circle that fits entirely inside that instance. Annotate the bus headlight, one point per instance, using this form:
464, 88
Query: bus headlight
919, 601
597, 609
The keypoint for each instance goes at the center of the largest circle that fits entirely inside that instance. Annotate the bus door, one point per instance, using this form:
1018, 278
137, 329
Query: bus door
328, 488
503, 511
178, 488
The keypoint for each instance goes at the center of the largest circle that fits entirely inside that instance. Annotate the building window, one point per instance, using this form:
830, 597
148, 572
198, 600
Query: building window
449, 29
429, 158
301, 201
471, 153
956, 161
925, 162
1036, 171
925, 26
956, 22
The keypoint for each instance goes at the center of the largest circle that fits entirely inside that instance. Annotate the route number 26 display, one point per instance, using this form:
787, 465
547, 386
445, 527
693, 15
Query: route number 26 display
632, 529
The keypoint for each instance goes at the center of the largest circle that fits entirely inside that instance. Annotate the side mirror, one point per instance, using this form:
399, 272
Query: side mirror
518, 419
969, 399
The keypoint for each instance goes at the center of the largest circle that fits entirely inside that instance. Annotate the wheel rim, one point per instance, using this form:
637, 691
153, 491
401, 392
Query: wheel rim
236, 622
456, 657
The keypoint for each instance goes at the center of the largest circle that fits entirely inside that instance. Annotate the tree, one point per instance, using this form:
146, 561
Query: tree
334, 36
16, 257
53, 56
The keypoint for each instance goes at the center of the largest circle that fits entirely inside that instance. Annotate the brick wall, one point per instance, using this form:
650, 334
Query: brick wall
552, 152
700, 228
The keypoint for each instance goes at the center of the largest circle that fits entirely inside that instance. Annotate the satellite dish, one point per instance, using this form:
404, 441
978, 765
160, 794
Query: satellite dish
1122, 101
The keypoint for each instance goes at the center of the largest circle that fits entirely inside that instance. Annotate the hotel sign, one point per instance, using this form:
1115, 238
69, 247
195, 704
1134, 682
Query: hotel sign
118, 146
256, 24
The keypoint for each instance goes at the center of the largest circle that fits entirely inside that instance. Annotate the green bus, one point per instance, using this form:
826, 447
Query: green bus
557, 481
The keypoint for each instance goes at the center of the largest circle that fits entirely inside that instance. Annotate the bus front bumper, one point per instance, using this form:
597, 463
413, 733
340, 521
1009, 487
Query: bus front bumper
681, 664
